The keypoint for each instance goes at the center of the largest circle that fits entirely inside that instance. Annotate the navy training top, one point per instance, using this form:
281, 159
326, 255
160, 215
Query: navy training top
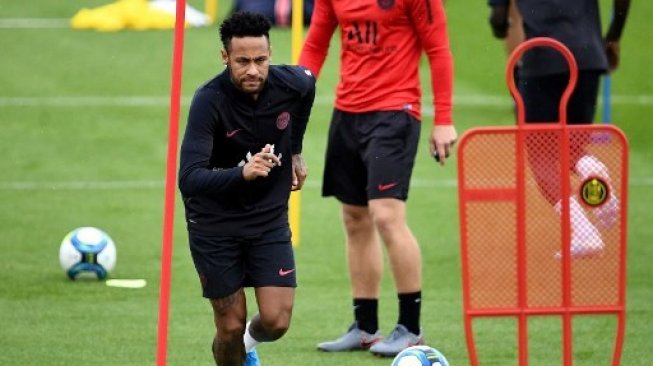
225, 128
575, 23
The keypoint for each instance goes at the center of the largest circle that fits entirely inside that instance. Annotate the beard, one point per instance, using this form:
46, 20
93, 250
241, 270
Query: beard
247, 84
251, 85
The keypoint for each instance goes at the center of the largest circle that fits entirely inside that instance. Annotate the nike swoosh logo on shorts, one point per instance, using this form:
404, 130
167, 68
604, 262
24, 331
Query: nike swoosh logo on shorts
385, 187
285, 272
232, 133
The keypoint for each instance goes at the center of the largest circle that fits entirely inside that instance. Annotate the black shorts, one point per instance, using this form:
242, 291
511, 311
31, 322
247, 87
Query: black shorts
370, 155
542, 95
227, 263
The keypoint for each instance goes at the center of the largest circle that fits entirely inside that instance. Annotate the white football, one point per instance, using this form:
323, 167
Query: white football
420, 356
87, 252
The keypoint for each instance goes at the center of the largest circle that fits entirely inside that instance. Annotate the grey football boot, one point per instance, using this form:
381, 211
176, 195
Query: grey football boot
398, 340
355, 339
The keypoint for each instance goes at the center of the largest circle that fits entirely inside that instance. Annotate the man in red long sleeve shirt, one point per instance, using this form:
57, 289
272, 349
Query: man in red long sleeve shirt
372, 144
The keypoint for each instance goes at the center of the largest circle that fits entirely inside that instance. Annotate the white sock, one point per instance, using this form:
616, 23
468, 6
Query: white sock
249, 341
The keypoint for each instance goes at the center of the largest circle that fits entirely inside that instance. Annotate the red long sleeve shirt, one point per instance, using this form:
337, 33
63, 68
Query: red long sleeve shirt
381, 44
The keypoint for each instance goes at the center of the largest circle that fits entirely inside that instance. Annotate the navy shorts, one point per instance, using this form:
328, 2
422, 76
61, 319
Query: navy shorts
370, 155
227, 263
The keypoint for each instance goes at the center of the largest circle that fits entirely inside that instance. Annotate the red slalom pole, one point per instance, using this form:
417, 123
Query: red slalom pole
171, 169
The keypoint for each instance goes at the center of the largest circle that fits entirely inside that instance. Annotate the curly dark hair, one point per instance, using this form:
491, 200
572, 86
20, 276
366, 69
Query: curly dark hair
243, 24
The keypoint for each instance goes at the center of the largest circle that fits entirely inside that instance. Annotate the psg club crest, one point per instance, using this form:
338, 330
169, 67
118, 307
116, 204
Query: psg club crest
385, 4
282, 120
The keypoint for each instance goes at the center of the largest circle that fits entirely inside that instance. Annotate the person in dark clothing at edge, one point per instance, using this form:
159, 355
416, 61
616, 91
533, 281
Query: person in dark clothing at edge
506, 23
240, 158
544, 74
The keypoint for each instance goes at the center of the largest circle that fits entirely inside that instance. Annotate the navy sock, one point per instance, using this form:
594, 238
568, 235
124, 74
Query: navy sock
366, 314
410, 305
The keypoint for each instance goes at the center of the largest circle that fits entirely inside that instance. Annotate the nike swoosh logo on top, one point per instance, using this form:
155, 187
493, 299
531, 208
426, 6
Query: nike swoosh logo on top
284, 272
385, 187
232, 133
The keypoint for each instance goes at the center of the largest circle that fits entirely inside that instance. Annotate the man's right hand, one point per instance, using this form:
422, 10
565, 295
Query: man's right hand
499, 21
261, 164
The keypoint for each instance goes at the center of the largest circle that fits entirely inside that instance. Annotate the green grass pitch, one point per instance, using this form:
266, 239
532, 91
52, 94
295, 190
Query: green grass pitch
83, 139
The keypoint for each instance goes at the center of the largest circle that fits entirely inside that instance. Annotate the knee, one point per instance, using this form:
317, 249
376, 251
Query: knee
386, 221
275, 326
356, 220
231, 331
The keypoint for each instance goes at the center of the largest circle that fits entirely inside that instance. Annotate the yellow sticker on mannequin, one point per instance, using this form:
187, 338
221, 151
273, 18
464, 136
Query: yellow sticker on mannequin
594, 191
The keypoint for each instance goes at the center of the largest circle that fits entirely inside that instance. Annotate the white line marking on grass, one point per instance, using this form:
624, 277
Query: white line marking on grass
34, 23
159, 184
77, 185
160, 101
486, 100
135, 101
